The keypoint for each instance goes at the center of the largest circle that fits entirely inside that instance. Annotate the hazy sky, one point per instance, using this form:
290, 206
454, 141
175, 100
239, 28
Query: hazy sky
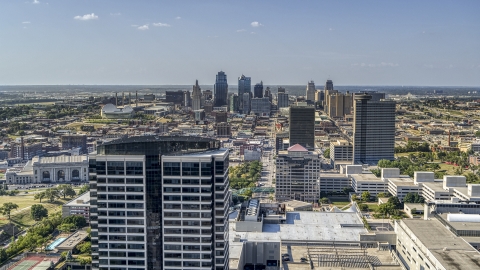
280, 42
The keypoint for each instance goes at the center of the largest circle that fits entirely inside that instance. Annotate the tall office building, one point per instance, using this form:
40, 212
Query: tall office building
260, 106
282, 100
328, 85
297, 175
268, 93
244, 86
234, 103
159, 203
376, 96
246, 103
310, 94
187, 99
196, 97
281, 90
221, 89
258, 90
373, 130
339, 105
302, 125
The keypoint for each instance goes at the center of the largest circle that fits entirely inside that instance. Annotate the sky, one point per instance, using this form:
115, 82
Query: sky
114, 42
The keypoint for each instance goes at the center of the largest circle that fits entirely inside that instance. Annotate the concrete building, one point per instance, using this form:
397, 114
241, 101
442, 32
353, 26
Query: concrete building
75, 141
310, 91
221, 117
223, 129
297, 175
24, 150
341, 152
60, 169
196, 97
78, 206
221, 89
302, 125
373, 130
282, 100
160, 203
260, 106
364, 180
339, 105
175, 97
187, 99
428, 244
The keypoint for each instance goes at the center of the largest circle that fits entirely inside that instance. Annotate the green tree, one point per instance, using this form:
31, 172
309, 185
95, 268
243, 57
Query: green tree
38, 211
394, 201
39, 196
324, 200
66, 228
386, 209
77, 220
85, 248
84, 189
52, 194
66, 190
3, 255
7, 208
326, 153
363, 207
365, 196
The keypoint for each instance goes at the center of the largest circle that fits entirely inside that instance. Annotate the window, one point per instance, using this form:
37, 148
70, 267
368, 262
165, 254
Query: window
116, 180
135, 230
135, 221
171, 181
135, 197
206, 169
134, 181
116, 189
134, 168
171, 168
135, 238
116, 168
190, 169
135, 205
134, 189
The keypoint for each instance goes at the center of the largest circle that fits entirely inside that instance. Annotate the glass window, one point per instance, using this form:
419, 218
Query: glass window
171, 168
206, 169
116, 168
190, 168
134, 168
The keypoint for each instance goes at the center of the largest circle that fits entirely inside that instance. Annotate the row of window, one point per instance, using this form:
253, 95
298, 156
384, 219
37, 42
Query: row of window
187, 215
120, 180
120, 197
187, 190
121, 254
121, 262
188, 255
119, 189
122, 221
121, 213
120, 205
188, 206
119, 168
188, 264
187, 198
121, 246
187, 223
121, 230
187, 239
138, 238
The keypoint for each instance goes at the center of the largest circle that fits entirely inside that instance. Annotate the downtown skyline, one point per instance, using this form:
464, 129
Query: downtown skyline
284, 43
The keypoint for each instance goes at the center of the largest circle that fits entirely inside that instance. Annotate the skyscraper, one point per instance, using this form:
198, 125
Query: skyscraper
310, 94
258, 90
302, 125
329, 85
373, 130
244, 86
221, 89
282, 100
339, 105
246, 103
234, 103
196, 97
159, 203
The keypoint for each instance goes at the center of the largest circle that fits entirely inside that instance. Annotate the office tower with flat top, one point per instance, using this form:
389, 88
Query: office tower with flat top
159, 203
258, 90
373, 130
244, 86
302, 125
310, 93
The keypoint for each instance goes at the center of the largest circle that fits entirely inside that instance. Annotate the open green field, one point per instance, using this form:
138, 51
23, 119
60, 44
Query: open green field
36, 103
21, 216
339, 202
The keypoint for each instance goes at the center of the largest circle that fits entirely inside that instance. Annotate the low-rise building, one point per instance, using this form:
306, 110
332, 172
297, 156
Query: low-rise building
78, 206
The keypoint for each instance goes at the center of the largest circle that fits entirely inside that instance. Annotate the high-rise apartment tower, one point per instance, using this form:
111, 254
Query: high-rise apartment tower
302, 125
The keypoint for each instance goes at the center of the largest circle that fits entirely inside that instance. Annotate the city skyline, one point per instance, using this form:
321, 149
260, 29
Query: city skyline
173, 43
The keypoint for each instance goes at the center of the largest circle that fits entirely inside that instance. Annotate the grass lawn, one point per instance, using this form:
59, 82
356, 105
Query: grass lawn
21, 216
372, 206
449, 169
339, 202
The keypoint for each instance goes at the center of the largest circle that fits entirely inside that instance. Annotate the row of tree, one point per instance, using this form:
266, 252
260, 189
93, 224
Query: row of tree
413, 147
39, 235
52, 194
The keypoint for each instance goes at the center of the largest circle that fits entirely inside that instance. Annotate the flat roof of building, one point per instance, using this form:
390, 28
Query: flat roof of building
59, 159
366, 176
295, 203
310, 226
402, 181
453, 252
144, 139
73, 240
82, 200
461, 225
207, 153
435, 186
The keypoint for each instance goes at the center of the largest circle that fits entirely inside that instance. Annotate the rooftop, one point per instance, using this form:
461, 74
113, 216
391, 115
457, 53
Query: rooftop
59, 159
82, 200
451, 251
297, 148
